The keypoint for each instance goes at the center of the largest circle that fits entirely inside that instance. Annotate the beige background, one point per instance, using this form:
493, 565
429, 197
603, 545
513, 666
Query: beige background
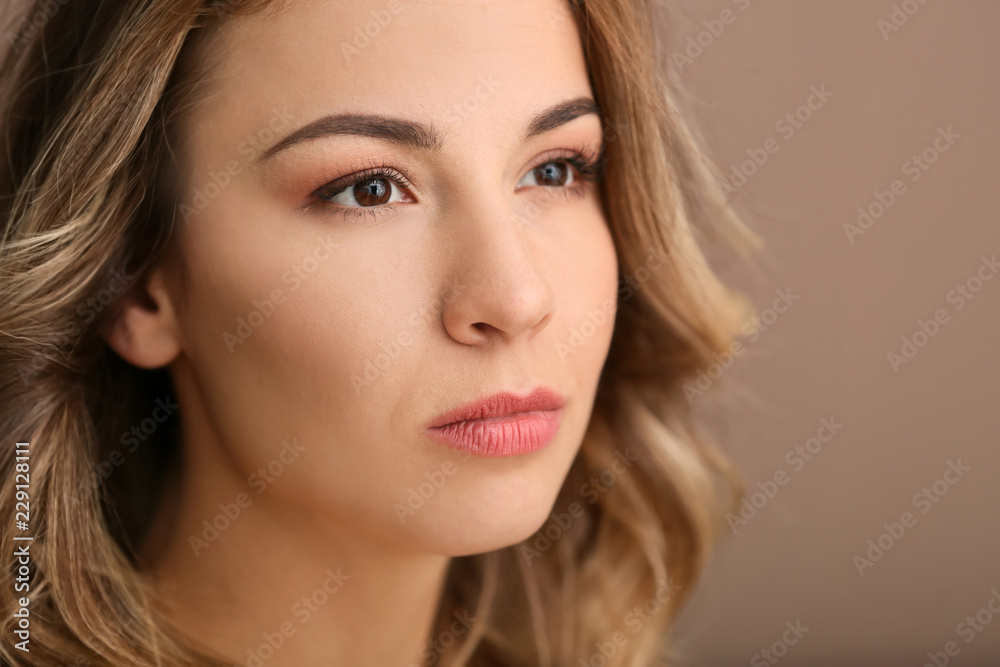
827, 355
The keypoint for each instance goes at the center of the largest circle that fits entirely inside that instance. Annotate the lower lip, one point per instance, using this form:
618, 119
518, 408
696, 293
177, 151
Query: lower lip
509, 435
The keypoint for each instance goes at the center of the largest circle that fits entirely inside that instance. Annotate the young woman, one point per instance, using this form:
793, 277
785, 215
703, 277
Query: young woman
351, 333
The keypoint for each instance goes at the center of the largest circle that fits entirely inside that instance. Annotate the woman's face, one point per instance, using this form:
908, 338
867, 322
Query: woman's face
325, 324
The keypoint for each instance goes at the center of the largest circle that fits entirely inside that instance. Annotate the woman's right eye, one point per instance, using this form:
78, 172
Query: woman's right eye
371, 191
363, 190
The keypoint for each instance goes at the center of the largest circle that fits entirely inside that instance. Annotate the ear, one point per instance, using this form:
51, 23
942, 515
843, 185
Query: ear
145, 331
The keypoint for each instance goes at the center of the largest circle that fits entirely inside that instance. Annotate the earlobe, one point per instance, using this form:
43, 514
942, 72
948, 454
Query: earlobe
145, 331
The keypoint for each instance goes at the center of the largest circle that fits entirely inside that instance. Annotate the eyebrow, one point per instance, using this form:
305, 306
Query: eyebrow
411, 134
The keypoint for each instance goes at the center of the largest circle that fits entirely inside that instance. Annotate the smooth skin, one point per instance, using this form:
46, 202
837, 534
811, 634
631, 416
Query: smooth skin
479, 270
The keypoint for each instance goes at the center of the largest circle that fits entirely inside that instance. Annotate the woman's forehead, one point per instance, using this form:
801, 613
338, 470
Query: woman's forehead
472, 67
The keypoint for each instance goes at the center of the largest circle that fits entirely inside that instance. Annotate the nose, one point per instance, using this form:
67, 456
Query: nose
496, 288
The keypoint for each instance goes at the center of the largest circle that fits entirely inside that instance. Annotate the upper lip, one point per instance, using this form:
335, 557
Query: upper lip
502, 404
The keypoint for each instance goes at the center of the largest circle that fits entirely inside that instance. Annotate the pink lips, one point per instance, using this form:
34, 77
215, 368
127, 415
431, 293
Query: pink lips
503, 424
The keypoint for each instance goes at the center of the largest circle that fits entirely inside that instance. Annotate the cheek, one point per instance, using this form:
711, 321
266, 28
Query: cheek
586, 284
281, 317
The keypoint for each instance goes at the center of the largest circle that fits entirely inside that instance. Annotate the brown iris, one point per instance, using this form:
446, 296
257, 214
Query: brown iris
552, 173
372, 191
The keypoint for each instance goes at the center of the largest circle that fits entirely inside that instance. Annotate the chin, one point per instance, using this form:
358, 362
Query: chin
465, 527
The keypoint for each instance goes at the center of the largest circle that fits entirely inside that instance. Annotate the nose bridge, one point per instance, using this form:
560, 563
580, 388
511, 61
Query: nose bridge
497, 285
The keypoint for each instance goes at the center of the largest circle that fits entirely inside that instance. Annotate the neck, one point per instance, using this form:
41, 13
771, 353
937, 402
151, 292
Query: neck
265, 586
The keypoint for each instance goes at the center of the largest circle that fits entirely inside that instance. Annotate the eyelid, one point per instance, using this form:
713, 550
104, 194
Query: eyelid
588, 164
341, 183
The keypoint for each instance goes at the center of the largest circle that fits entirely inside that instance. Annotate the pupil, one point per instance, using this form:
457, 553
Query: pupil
553, 173
372, 192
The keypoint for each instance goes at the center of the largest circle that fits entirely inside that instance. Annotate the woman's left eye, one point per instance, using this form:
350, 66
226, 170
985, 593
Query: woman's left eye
554, 173
567, 172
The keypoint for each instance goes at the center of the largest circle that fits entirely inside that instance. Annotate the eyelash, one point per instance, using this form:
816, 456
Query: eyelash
587, 164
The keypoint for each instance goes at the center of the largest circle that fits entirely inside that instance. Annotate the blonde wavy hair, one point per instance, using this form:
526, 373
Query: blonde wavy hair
89, 94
